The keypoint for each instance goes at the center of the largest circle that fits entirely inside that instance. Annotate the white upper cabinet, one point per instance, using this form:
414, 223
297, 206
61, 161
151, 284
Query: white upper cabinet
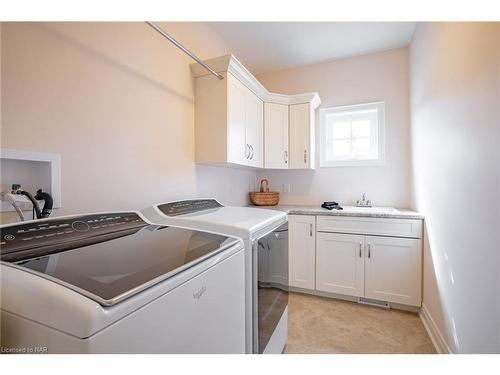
245, 125
254, 130
302, 136
276, 136
239, 123
228, 123
237, 146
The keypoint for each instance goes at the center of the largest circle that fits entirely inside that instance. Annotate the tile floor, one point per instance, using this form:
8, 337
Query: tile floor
324, 325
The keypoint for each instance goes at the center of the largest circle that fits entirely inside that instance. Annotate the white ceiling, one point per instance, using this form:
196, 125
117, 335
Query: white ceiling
269, 46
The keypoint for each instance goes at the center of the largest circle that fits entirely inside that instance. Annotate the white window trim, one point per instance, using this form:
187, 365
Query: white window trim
323, 112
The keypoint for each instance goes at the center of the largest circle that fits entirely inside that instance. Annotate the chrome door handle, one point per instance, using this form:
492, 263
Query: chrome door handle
247, 147
360, 249
286, 156
310, 230
251, 157
369, 250
305, 156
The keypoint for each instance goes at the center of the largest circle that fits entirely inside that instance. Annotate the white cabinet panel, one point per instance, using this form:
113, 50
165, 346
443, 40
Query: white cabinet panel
237, 147
370, 225
276, 136
393, 269
340, 264
302, 251
254, 123
301, 136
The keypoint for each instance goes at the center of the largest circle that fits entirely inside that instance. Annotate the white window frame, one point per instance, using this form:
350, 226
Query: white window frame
323, 112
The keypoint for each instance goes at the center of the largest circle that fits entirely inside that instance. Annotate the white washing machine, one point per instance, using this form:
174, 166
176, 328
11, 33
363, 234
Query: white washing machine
265, 235
114, 283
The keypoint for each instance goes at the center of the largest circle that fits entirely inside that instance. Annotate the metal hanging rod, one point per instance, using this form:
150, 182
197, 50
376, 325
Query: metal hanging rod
184, 49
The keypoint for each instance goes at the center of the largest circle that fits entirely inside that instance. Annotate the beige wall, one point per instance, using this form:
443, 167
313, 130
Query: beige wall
116, 100
369, 78
455, 104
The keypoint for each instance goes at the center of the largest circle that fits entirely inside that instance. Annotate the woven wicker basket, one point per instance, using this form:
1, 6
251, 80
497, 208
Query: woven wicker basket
270, 198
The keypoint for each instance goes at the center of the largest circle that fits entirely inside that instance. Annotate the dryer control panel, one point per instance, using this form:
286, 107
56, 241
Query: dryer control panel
188, 206
26, 239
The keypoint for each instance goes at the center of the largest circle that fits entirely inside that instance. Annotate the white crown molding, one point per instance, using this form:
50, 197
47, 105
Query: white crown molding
231, 64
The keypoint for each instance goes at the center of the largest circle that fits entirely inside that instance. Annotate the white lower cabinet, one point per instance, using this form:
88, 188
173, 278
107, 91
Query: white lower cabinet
379, 267
393, 269
340, 263
302, 251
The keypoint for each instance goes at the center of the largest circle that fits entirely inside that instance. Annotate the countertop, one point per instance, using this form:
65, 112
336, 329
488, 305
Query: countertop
381, 212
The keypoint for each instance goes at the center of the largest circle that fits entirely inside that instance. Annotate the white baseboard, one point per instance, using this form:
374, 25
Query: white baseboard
433, 331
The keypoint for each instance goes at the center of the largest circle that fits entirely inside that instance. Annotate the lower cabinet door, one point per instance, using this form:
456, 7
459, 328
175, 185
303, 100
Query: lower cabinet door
393, 269
302, 251
340, 263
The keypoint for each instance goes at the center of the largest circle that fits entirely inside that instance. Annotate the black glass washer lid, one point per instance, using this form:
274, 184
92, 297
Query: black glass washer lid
113, 270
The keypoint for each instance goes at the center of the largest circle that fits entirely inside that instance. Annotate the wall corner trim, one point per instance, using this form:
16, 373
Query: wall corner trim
433, 331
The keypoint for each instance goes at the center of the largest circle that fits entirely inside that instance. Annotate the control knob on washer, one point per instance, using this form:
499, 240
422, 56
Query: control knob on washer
80, 226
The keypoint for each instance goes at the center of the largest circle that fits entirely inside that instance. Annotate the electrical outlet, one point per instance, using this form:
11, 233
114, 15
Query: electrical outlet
286, 188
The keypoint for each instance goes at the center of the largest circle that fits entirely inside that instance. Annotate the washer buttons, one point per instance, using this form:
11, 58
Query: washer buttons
80, 226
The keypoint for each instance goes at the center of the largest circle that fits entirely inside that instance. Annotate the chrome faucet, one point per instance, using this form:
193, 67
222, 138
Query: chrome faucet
364, 202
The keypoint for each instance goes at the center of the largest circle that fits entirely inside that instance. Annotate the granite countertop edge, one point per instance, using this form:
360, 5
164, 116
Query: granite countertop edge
319, 211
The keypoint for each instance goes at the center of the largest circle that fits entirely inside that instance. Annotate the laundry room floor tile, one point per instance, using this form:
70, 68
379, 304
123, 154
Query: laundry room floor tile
329, 326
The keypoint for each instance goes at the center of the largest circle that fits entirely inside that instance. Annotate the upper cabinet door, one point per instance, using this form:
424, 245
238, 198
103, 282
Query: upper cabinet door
393, 269
276, 153
254, 128
238, 150
301, 136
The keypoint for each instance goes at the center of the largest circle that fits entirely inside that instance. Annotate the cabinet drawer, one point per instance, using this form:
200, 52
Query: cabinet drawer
366, 225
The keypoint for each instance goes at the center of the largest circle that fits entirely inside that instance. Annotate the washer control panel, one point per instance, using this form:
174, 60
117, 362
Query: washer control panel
188, 207
51, 232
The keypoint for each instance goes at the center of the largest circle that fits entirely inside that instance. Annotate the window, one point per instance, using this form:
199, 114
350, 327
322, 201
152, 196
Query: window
352, 135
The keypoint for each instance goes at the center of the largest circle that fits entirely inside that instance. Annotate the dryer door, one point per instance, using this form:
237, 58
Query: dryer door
270, 284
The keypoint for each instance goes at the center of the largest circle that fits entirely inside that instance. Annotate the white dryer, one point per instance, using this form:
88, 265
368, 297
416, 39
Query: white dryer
265, 235
114, 283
